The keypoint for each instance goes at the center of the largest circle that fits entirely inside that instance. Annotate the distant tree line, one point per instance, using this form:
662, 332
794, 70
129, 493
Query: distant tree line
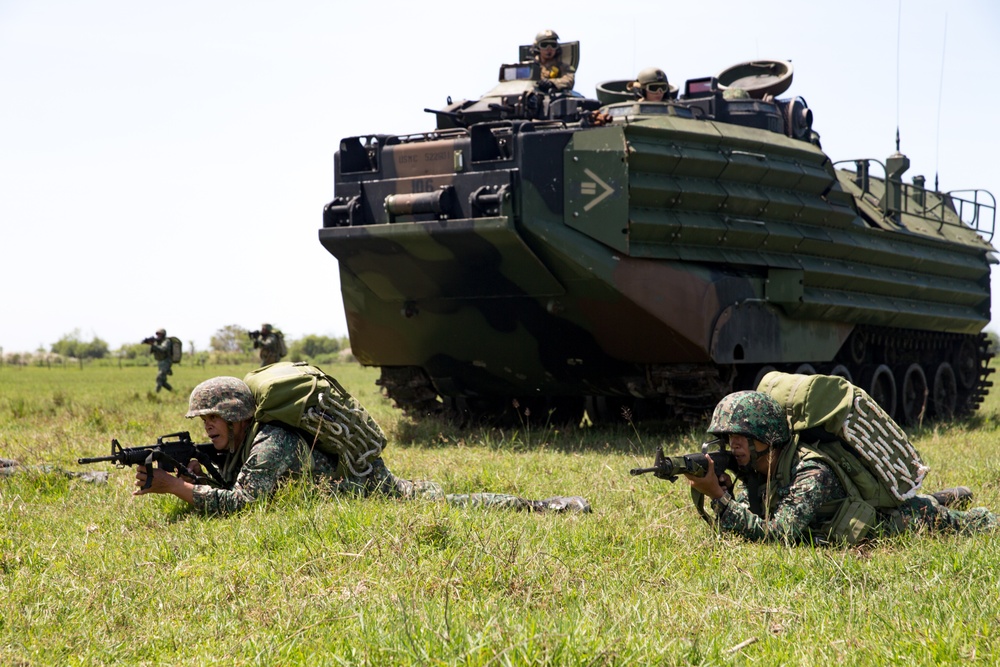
71, 345
230, 344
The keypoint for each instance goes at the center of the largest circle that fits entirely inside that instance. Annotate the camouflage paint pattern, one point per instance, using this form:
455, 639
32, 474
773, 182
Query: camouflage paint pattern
795, 516
274, 453
228, 397
522, 258
753, 414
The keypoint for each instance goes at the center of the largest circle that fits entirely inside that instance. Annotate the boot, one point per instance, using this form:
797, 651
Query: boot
958, 497
561, 504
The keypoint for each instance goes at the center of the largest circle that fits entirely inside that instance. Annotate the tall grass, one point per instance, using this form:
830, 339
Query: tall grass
91, 575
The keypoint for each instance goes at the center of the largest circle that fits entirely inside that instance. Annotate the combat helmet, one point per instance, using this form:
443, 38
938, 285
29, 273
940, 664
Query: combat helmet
228, 397
649, 76
753, 414
546, 36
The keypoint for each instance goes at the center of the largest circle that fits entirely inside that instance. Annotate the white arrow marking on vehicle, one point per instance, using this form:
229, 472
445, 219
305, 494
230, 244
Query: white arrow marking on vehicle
588, 190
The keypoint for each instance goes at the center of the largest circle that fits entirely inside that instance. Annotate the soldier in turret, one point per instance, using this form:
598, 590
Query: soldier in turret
556, 76
652, 85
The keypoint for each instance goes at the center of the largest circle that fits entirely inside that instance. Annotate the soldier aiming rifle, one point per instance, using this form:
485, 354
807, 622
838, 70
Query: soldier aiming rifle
270, 342
161, 348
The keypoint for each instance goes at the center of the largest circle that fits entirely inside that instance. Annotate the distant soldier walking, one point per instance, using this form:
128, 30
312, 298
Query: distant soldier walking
271, 343
161, 348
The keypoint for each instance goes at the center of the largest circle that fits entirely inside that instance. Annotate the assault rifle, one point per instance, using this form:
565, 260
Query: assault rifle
149, 340
172, 452
671, 467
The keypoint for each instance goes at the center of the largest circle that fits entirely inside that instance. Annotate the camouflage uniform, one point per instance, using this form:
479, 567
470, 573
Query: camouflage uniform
794, 511
272, 453
160, 348
10, 467
558, 75
561, 75
269, 343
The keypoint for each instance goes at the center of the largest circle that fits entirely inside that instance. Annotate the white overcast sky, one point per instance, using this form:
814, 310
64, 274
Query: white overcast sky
166, 164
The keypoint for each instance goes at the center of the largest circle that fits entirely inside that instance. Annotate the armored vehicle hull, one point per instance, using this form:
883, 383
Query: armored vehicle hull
655, 259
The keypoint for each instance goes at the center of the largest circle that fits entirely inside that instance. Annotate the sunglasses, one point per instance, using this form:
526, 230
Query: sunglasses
548, 45
657, 88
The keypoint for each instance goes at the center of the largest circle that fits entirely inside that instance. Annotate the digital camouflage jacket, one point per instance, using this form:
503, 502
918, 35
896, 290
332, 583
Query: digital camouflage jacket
806, 509
273, 453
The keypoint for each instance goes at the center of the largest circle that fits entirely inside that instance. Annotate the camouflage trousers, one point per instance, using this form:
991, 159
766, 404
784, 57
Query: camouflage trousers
925, 513
161, 378
382, 482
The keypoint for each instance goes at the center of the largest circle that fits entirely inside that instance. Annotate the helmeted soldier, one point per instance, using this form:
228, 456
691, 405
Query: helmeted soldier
271, 343
807, 499
262, 455
652, 85
161, 348
556, 75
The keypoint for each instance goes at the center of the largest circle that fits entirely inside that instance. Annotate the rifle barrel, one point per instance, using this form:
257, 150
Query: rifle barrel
96, 459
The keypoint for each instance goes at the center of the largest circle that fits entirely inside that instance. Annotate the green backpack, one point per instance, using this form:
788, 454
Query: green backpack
282, 347
176, 349
890, 469
305, 398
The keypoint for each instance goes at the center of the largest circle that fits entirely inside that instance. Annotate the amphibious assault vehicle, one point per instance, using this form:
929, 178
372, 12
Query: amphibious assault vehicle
559, 253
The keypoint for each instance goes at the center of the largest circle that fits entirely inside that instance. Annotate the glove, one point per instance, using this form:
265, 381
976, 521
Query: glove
545, 85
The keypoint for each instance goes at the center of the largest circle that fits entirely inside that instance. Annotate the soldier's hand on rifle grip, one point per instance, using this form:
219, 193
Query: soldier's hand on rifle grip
709, 485
727, 483
162, 482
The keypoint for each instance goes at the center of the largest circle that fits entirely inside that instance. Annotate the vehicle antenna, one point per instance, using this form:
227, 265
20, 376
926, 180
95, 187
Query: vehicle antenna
899, 25
937, 139
634, 41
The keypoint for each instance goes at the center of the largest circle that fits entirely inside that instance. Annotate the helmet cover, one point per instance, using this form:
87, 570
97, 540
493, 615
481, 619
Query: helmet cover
228, 397
753, 414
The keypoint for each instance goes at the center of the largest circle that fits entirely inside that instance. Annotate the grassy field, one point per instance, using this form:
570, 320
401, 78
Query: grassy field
90, 575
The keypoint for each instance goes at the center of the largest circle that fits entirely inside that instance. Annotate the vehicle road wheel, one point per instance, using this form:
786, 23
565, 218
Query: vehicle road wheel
882, 388
967, 365
914, 394
805, 369
760, 375
945, 396
858, 347
842, 371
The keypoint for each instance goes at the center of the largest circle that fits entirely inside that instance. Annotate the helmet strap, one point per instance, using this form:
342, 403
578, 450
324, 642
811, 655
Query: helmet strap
231, 431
